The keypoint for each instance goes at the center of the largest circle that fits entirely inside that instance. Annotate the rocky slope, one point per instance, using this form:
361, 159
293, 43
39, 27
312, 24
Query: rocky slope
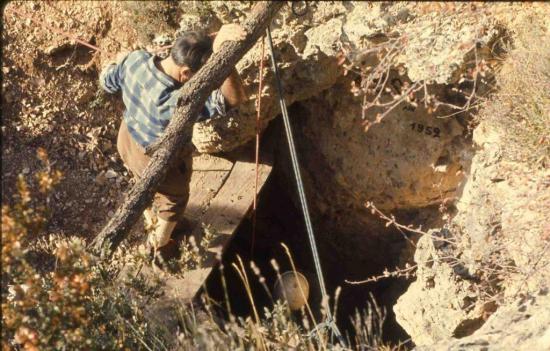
522, 325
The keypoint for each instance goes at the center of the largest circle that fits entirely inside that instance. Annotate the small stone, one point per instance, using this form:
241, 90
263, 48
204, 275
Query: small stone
26, 170
110, 174
440, 169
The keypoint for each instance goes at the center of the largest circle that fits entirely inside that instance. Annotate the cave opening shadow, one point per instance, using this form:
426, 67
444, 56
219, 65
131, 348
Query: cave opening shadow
278, 220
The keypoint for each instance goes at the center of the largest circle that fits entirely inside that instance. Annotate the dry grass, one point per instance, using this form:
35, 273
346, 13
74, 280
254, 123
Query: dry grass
521, 107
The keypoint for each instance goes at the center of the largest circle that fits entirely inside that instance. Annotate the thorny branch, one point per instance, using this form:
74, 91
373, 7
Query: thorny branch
390, 220
487, 277
374, 81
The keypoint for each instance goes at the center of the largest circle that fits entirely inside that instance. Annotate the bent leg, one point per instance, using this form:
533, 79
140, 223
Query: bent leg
172, 194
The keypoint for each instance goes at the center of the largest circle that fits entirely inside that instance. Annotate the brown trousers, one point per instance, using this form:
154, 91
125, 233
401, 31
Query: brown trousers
172, 194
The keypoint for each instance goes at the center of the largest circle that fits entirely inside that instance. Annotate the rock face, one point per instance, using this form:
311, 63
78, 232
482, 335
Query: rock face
444, 294
498, 255
522, 325
409, 160
307, 49
500, 248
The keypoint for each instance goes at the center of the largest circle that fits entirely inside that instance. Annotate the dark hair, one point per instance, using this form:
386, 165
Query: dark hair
192, 49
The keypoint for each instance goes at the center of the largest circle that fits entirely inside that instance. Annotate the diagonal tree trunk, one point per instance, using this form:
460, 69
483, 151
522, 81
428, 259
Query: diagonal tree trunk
163, 152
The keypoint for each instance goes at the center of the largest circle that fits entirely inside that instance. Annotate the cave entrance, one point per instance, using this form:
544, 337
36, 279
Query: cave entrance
279, 220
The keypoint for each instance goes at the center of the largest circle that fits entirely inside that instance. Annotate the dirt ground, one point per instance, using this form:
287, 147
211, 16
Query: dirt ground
51, 99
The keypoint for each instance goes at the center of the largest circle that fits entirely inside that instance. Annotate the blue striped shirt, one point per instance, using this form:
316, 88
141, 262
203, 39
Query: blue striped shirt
150, 96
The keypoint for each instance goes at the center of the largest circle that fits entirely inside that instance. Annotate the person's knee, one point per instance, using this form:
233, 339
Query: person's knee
171, 208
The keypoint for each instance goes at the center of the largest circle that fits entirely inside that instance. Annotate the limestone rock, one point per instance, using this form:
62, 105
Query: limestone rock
442, 302
392, 164
307, 48
501, 215
522, 326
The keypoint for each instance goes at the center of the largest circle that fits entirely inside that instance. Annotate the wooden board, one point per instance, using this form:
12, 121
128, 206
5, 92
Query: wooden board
223, 215
209, 174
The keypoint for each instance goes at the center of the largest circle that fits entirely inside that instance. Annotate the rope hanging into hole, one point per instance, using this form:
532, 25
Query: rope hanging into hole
303, 201
257, 158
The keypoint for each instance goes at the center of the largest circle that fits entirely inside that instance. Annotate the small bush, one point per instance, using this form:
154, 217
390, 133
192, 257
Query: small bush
71, 307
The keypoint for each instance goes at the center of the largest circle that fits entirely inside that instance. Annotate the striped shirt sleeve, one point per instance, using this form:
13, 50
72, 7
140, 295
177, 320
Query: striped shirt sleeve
110, 78
214, 106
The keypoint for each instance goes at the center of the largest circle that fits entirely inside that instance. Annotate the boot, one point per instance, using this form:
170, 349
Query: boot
160, 236
163, 249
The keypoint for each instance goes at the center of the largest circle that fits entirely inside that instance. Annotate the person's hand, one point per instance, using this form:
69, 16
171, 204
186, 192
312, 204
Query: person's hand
227, 32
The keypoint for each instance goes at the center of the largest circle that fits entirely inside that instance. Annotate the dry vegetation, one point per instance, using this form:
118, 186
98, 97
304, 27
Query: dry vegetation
67, 303
522, 103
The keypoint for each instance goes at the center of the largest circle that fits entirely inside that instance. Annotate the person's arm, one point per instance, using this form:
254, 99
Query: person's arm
110, 78
232, 88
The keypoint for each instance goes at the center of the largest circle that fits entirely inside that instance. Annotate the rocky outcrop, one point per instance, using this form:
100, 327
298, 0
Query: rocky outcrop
500, 248
308, 47
499, 256
445, 294
522, 326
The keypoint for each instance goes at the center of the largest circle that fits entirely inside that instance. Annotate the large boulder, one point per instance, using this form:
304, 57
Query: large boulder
308, 48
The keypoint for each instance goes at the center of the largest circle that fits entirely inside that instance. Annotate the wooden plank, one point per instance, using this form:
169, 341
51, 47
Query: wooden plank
209, 175
208, 163
223, 216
